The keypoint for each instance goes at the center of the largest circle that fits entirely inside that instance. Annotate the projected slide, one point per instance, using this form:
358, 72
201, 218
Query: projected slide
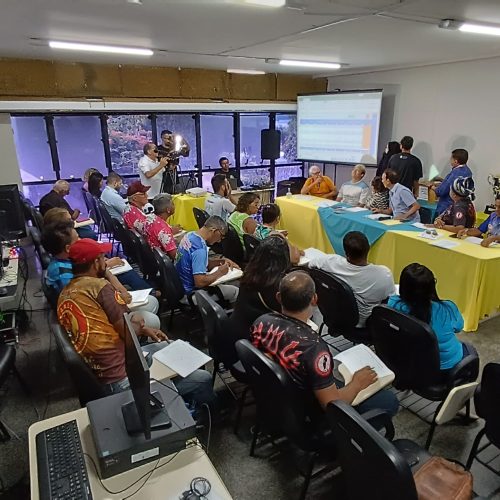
340, 127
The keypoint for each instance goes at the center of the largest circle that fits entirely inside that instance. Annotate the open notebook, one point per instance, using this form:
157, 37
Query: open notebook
121, 269
233, 274
139, 298
181, 357
358, 357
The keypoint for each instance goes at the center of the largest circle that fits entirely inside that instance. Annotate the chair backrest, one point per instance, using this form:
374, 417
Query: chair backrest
86, 201
214, 322
170, 284
87, 385
136, 249
7, 361
149, 266
251, 243
487, 401
37, 218
122, 235
231, 246
97, 211
107, 220
372, 467
201, 216
336, 301
407, 346
281, 405
43, 255
50, 293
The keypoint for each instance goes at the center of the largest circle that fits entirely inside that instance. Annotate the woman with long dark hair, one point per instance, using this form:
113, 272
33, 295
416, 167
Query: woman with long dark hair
418, 297
392, 148
96, 181
258, 287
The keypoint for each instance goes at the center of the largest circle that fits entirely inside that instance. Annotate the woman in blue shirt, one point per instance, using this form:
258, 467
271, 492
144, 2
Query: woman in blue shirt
418, 297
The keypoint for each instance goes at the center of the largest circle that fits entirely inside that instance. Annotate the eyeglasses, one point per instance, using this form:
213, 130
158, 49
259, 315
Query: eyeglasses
155, 151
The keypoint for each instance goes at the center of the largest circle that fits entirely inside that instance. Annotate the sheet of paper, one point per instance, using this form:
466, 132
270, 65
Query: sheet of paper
356, 209
419, 225
445, 244
182, 357
326, 203
310, 253
390, 222
304, 197
233, 274
359, 356
121, 269
375, 216
477, 241
139, 297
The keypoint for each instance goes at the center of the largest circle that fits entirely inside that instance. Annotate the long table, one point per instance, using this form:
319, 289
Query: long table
467, 274
183, 215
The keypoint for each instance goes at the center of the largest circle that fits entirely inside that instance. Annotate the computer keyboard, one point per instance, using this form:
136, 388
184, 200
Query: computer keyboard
62, 473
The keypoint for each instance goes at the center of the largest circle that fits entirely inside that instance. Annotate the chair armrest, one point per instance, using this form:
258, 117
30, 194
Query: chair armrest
380, 419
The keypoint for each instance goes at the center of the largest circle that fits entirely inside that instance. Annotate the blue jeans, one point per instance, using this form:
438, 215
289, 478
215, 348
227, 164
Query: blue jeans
133, 280
86, 232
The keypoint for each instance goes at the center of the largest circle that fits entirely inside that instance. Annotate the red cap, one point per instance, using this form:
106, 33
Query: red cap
86, 250
137, 187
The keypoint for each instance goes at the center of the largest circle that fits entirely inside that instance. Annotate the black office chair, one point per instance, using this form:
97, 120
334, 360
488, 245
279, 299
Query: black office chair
36, 219
231, 246
339, 308
43, 255
7, 365
487, 404
147, 259
107, 221
372, 467
86, 383
251, 243
86, 201
201, 216
123, 236
50, 293
409, 348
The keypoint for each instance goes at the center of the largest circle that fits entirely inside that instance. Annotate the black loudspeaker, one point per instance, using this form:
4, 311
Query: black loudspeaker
270, 144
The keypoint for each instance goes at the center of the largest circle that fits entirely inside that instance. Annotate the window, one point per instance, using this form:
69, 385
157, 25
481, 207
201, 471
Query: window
217, 139
32, 148
284, 173
79, 145
127, 136
255, 176
75, 199
182, 124
250, 128
287, 125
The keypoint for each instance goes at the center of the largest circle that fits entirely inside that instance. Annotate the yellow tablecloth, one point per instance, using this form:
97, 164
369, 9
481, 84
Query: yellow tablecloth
184, 211
467, 274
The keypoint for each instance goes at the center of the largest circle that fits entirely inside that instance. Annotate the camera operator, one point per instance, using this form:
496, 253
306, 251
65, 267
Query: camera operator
151, 169
173, 146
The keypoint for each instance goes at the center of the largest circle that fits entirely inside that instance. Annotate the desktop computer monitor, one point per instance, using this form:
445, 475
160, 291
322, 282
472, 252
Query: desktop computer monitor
12, 225
146, 411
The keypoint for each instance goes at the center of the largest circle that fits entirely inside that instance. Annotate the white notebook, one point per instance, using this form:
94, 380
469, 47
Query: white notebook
182, 357
139, 298
358, 357
231, 275
120, 269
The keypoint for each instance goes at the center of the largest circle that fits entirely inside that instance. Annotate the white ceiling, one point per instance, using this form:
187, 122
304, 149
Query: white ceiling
362, 34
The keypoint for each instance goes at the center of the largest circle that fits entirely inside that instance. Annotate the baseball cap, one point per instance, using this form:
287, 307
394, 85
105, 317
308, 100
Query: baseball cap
137, 187
86, 250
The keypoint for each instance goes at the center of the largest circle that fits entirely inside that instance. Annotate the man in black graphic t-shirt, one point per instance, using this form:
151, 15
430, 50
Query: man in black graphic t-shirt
408, 166
291, 342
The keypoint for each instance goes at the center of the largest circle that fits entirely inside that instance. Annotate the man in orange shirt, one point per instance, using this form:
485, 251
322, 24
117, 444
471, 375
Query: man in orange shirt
319, 185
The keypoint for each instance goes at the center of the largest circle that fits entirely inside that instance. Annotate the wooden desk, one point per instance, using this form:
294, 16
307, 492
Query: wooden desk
166, 483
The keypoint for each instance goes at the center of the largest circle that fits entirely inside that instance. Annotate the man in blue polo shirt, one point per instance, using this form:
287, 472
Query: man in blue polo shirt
489, 228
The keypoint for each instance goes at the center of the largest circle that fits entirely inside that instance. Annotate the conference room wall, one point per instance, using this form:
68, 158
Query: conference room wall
447, 106
9, 169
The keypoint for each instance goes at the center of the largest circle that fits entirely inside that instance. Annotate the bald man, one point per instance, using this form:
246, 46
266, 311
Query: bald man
292, 343
319, 185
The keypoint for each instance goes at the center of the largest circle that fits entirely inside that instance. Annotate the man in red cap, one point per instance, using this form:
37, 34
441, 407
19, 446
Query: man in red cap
91, 311
133, 215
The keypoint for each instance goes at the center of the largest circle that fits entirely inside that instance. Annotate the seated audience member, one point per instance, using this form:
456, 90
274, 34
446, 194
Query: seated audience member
133, 215
258, 288
193, 264
58, 237
229, 173
219, 203
392, 148
157, 231
292, 343
371, 284
96, 181
86, 176
418, 297
355, 191
319, 185
379, 197
461, 213
111, 198
490, 228
61, 214
55, 199
241, 219
92, 313
402, 203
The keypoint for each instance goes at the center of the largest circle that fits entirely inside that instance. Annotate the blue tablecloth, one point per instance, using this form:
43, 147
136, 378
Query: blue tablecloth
337, 225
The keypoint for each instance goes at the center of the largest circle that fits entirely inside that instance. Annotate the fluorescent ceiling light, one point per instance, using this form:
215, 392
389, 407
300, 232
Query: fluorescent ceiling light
479, 29
267, 3
309, 64
246, 71
109, 49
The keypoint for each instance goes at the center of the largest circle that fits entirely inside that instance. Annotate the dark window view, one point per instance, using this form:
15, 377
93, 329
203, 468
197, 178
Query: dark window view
74, 198
182, 124
287, 125
79, 145
255, 177
250, 128
33, 152
284, 173
216, 139
127, 136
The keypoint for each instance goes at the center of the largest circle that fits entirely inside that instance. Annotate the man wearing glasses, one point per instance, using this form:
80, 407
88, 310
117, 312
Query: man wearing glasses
151, 170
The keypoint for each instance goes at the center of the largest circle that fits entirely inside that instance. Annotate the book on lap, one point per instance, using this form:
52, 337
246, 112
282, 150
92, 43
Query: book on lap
125, 267
139, 298
358, 357
231, 275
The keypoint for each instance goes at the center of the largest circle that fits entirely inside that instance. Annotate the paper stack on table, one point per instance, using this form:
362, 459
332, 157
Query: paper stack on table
356, 209
231, 275
182, 357
139, 298
377, 216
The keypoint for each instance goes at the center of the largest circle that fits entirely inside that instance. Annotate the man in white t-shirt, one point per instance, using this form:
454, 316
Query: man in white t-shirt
151, 170
219, 203
355, 191
371, 284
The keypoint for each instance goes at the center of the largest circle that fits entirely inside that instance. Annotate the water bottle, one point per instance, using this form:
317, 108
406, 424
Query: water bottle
289, 193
